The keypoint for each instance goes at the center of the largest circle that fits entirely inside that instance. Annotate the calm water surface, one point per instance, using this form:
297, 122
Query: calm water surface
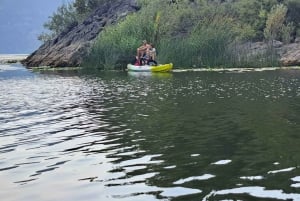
139, 137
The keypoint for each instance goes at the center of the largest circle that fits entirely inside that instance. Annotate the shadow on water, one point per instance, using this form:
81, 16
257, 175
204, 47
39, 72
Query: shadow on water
131, 136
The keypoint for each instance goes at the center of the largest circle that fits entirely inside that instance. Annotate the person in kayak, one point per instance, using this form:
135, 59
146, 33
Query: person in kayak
139, 61
146, 54
151, 52
144, 61
141, 51
151, 55
136, 61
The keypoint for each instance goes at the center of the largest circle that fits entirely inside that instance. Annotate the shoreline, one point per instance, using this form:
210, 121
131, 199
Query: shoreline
12, 58
246, 69
16, 58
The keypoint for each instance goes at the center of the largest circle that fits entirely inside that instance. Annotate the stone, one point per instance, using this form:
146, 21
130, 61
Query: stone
290, 55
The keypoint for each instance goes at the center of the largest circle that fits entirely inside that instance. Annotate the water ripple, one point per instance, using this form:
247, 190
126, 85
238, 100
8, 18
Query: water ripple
206, 135
256, 191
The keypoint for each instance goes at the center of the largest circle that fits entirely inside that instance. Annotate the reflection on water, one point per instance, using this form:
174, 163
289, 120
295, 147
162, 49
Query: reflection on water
131, 136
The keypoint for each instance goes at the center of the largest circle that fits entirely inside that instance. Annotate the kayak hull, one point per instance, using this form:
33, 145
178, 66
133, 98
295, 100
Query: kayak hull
147, 68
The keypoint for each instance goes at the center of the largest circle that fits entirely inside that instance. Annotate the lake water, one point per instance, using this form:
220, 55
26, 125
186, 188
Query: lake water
121, 136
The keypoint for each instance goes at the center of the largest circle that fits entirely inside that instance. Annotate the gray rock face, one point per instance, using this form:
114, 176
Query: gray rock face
70, 47
290, 55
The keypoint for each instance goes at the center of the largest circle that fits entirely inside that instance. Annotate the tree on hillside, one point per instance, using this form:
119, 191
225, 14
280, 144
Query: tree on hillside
293, 16
62, 19
69, 15
275, 22
254, 13
80, 6
84, 7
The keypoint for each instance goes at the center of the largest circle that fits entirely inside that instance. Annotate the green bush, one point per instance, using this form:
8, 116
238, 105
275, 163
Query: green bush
117, 44
67, 15
197, 34
63, 18
275, 22
205, 46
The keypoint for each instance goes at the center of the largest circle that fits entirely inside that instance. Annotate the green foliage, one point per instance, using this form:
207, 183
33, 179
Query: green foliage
67, 15
275, 22
202, 33
205, 46
63, 18
44, 37
198, 34
118, 43
293, 14
80, 6
253, 14
84, 7
286, 32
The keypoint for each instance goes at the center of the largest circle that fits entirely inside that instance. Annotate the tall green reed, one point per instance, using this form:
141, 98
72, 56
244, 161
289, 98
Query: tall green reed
117, 44
210, 40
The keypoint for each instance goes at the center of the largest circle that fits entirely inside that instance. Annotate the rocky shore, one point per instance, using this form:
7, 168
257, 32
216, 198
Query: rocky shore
71, 46
290, 54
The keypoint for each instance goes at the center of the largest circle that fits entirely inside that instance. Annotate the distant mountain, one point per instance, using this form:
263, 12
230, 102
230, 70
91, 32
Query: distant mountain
22, 21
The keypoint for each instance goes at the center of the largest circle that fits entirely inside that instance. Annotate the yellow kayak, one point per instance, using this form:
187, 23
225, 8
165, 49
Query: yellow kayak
147, 68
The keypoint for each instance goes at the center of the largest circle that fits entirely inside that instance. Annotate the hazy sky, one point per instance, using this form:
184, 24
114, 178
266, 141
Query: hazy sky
21, 21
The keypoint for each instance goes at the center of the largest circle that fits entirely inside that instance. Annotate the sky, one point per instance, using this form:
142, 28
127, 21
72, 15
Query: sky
21, 21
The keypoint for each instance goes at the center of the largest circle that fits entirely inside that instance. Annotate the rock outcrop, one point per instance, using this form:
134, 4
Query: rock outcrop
70, 47
290, 54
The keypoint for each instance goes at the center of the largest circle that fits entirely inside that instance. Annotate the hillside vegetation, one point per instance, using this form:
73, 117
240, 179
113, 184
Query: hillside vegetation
189, 33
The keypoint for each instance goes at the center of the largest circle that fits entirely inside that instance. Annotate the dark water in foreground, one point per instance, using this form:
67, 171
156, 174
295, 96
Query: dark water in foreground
132, 137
